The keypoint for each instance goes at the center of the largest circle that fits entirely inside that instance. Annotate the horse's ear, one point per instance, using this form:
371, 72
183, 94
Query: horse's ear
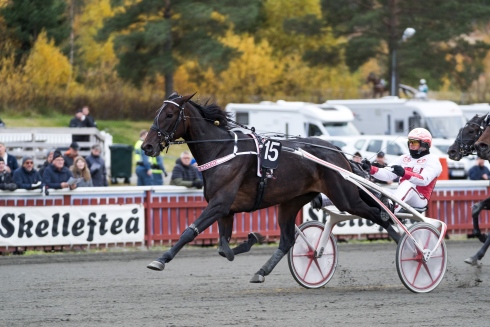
188, 97
173, 95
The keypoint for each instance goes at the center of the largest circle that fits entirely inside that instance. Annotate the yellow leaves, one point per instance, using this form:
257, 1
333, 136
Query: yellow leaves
46, 66
91, 20
218, 17
255, 72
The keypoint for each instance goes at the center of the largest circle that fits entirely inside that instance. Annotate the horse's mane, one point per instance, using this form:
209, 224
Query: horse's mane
213, 112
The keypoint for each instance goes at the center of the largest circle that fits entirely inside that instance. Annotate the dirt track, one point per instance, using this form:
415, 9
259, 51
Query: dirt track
199, 288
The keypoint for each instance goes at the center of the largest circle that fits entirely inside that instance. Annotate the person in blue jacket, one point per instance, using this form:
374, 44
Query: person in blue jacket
56, 175
26, 176
479, 171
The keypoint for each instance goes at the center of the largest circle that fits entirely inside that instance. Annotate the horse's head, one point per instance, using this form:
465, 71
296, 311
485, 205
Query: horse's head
169, 124
465, 141
482, 145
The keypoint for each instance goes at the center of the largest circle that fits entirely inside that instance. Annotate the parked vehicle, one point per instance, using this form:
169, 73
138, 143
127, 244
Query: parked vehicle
294, 118
396, 116
471, 110
394, 146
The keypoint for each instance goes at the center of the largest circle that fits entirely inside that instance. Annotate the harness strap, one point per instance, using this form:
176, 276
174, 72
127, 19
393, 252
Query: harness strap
219, 161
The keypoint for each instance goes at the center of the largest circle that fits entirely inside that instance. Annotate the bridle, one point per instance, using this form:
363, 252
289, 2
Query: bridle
165, 137
468, 148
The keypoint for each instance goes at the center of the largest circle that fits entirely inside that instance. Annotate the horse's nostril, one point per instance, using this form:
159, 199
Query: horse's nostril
482, 146
147, 148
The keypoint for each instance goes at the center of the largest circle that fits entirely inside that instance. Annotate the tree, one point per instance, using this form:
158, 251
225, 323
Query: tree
155, 36
27, 18
374, 28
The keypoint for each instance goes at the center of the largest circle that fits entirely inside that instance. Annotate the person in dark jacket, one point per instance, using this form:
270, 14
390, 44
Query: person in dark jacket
49, 159
479, 171
6, 180
10, 161
56, 175
97, 166
27, 177
71, 154
185, 174
89, 120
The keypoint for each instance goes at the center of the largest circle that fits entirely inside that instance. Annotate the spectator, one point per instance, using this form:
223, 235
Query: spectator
185, 174
77, 122
49, 158
56, 175
80, 170
97, 166
357, 157
71, 154
89, 120
479, 171
11, 161
380, 162
423, 86
6, 180
143, 166
2, 124
27, 177
157, 169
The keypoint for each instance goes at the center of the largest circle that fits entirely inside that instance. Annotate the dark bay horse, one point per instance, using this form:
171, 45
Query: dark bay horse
379, 86
231, 183
474, 136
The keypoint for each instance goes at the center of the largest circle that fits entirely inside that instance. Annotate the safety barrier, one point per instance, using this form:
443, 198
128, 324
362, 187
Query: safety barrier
168, 210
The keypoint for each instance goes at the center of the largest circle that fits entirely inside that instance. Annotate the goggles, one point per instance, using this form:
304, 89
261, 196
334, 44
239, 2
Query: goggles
413, 142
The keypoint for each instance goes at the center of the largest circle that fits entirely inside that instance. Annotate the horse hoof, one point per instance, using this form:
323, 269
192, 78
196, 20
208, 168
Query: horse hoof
472, 261
156, 265
224, 248
259, 238
257, 279
228, 255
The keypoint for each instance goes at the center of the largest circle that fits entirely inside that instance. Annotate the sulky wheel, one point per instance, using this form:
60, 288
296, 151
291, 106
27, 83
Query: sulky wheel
416, 274
308, 271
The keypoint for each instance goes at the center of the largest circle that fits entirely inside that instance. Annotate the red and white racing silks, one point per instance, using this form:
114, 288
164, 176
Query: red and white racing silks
422, 173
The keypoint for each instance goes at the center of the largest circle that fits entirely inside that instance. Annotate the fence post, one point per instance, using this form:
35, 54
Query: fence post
148, 208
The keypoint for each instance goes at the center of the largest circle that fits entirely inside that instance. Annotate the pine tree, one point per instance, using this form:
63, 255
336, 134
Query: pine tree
154, 36
27, 18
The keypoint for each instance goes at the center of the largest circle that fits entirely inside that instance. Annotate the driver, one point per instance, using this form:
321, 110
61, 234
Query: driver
418, 172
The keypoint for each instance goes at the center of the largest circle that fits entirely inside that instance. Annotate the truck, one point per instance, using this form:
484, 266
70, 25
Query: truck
397, 116
291, 118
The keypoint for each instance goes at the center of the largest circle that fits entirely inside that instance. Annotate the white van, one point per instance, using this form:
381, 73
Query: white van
294, 118
393, 147
396, 116
471, 110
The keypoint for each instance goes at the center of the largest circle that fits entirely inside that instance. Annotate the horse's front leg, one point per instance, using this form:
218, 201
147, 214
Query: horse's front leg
225, 227
209, 215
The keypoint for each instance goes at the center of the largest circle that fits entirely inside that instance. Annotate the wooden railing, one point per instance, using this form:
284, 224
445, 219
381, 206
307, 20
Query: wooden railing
171, 209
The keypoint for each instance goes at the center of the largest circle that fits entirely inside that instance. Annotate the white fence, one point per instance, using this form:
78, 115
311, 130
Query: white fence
37, 141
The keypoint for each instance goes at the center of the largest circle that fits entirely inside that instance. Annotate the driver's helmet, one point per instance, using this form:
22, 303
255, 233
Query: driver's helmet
422, 81
422, 135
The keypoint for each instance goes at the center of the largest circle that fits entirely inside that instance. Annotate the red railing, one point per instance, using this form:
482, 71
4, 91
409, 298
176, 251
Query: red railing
168, 212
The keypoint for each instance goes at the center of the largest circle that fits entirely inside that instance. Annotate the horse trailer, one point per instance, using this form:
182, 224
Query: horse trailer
395, 116
294, 118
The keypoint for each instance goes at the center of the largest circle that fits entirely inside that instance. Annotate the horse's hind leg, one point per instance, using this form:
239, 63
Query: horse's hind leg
287, 215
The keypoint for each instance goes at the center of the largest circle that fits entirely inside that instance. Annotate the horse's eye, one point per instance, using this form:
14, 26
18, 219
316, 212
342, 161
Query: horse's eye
170, 115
